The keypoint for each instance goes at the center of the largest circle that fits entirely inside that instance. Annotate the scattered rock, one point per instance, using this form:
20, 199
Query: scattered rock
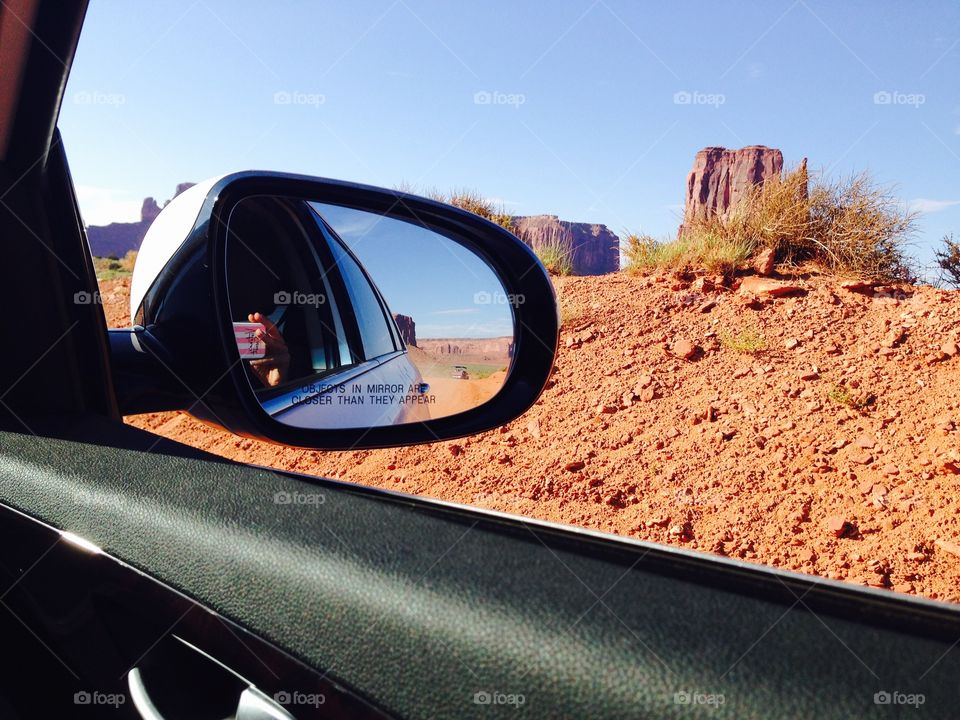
948, 547
837, 526
763, 262
949, 348
685, 349
755, 285
856, 284
575, 466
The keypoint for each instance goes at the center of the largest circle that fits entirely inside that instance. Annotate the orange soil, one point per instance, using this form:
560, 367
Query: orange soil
751, 455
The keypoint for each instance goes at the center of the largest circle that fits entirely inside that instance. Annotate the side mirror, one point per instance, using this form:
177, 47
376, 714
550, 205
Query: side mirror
330, 315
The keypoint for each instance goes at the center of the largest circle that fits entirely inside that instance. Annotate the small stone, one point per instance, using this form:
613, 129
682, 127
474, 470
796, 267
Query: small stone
837, 525
685, 349
862, 458
575, 466
865, 442
809, 375
763, 262
949, 348
791, 344
606, 409
915, 557
771, 288
890, 469
455, 449
533, 427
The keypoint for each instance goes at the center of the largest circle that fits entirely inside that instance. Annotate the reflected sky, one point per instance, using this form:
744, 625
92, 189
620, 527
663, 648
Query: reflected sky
445, 288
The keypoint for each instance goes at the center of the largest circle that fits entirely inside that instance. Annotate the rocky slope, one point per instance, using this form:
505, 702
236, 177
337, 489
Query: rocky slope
815, 431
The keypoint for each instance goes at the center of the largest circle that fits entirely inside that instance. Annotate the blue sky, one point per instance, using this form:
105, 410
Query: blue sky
567, 107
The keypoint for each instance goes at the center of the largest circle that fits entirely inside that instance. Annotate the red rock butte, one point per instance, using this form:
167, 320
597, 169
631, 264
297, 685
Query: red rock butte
720, 178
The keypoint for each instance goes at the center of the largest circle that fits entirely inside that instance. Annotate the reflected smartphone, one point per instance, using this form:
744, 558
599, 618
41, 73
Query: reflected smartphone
250, 346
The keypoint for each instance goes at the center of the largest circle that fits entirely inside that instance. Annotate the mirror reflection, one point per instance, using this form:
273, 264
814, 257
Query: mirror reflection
345, 318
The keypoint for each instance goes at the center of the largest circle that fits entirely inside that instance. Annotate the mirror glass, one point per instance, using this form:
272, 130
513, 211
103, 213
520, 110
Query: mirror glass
347, 319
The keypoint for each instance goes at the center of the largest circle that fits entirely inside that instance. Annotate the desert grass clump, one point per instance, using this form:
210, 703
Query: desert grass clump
466, 199
841, 395
705, 249
746, 340
556, 254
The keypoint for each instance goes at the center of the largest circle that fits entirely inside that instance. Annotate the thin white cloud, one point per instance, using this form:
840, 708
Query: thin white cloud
926, 205
457, 311
102, 206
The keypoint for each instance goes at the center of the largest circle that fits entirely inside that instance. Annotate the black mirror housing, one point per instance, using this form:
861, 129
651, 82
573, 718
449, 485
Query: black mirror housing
182, 353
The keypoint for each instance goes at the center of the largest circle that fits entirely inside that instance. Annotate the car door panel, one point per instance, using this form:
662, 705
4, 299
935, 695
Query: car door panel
420, 606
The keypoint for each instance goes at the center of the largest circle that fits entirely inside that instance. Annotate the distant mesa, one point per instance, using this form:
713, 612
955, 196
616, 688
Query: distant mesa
492, 349
117, 239
408, 329
594, 249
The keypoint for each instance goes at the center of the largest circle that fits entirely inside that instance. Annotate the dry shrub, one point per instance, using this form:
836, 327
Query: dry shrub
948, 261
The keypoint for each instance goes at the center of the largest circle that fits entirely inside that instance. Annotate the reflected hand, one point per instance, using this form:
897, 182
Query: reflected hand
272, 368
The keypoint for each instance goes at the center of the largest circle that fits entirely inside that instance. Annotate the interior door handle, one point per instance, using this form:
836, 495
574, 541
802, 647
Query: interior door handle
252, 705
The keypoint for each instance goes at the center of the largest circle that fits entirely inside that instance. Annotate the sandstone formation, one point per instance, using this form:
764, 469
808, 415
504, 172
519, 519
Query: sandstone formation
720, 178
117, 239
407, 328
498, 348
594, 249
